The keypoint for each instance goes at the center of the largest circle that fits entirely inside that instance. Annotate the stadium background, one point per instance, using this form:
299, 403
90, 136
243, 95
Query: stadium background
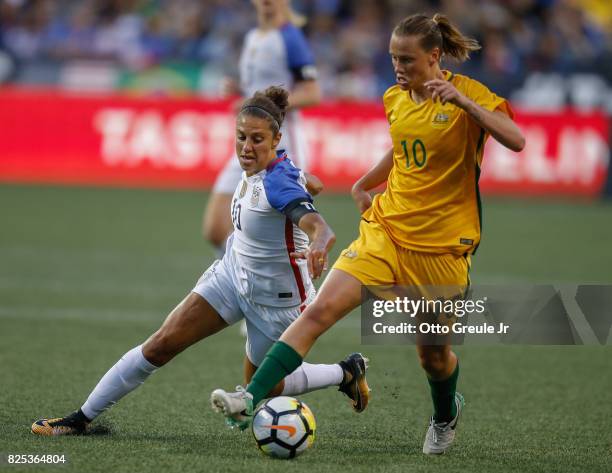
112, 132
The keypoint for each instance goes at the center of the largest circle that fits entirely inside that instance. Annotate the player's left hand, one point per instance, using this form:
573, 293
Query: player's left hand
316, 259
445, 91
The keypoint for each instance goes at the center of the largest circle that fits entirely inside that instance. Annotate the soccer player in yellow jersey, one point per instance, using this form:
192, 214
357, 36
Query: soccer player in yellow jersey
424, 228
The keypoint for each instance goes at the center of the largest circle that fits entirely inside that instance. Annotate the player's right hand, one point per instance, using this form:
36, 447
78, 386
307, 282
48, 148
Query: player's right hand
316, 259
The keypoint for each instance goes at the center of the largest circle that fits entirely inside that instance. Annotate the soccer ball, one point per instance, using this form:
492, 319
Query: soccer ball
283, 427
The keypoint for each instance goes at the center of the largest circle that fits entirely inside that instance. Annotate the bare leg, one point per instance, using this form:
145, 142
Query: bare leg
191, 321
339, 294
438, 361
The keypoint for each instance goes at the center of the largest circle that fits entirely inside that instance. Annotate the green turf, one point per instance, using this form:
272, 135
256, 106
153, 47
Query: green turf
86, 274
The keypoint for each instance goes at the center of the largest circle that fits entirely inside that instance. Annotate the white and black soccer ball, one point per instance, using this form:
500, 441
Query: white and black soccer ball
284, 427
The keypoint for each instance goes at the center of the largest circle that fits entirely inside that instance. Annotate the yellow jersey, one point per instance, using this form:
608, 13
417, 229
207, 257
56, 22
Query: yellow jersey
432, 203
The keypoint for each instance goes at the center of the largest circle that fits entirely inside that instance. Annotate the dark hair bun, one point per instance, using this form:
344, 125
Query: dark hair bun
279, 96
271, 104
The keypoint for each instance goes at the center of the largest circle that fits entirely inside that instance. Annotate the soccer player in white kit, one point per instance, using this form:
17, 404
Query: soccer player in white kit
279, 242
274, 53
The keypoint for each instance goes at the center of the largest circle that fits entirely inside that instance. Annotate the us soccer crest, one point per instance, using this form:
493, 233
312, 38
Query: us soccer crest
255, 196
243, 190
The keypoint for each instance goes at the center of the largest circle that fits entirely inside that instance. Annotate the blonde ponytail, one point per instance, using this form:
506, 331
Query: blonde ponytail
454, 44
438, 32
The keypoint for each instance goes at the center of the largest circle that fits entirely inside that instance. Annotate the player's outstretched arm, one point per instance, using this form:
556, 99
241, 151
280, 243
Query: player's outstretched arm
322, 239
373, 178
313, 184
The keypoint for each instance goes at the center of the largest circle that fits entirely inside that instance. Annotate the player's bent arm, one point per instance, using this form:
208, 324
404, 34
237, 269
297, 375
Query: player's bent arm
499, 125
304, 94
322, 239
313, 184
374, 177
378, 174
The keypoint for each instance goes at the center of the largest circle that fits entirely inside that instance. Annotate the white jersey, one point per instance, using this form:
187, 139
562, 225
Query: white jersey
264, 237
278, 57
274, 57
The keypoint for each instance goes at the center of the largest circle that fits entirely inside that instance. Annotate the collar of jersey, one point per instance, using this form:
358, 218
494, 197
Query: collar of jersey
281, 155
448, 76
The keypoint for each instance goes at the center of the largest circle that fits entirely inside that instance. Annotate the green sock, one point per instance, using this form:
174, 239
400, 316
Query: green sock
280, 361
443, 397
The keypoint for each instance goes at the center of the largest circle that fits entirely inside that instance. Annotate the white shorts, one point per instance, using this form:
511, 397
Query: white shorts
291, 141
265, 324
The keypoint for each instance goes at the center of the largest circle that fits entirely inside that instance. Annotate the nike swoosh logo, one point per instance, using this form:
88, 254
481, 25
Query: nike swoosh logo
289, 428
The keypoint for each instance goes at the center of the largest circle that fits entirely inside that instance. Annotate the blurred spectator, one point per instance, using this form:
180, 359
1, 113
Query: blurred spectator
349, 37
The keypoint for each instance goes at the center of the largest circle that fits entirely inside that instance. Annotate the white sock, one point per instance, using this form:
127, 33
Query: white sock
308, 377
126, 375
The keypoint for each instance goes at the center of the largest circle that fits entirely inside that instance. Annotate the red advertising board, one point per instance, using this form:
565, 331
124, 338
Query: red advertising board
55, 137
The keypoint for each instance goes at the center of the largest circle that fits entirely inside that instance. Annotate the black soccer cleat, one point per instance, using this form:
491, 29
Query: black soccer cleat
73, 424
354, 384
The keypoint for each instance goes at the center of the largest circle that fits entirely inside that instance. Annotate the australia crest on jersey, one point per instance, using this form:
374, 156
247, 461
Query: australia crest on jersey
442, 117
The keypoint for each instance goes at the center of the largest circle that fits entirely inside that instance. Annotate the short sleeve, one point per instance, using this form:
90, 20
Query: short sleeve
389, 99
283, 186
487, 99
299, 56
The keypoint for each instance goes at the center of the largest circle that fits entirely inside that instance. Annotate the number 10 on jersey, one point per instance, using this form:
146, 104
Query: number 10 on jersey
419, 154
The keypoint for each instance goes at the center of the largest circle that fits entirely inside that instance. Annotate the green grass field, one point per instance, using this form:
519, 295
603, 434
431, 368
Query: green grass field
86, 274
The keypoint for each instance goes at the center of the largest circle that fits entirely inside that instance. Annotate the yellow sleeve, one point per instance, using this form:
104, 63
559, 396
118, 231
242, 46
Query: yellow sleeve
487, 99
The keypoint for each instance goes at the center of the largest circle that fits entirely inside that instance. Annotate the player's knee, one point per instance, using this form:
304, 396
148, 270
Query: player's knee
319, 316
434, 362
159, 349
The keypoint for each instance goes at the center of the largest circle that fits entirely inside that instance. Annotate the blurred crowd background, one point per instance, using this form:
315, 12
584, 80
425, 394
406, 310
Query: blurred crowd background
541, 53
